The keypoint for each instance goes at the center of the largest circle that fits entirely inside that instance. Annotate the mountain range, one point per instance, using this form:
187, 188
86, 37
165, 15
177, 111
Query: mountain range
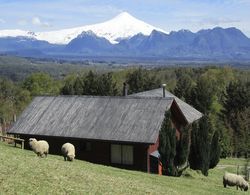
126, 36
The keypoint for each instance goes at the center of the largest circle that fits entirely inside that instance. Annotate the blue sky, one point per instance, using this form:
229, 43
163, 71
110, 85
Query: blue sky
46, 15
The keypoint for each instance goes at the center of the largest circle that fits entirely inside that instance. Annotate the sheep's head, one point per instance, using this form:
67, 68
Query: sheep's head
71, 157
31, 141
246, 187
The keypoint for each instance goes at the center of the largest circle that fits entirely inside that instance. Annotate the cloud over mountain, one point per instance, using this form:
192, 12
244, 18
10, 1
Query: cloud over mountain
37, 21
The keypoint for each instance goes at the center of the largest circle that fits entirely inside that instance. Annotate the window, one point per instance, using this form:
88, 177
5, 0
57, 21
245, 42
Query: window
116, 154
122, 154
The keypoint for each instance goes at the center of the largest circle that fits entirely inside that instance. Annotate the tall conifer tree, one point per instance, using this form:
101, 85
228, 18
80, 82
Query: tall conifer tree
167, 147
199, 157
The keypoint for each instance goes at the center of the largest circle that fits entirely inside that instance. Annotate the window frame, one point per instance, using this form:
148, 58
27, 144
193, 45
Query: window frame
121, 154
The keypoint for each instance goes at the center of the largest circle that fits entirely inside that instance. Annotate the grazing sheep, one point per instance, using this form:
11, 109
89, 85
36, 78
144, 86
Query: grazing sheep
231, 179
40, 147
68, 151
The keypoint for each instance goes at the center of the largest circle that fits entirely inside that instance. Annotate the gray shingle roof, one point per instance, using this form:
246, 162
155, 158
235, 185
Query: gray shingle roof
190, 113
128, 119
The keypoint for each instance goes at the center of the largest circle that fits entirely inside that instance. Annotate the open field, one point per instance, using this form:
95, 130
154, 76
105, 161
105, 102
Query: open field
233, 161
22, 172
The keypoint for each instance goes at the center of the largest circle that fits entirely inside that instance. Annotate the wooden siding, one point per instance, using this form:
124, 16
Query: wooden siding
100, 152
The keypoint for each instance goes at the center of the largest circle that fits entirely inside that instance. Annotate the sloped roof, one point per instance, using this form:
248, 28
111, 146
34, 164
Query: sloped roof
127, 119
190, 113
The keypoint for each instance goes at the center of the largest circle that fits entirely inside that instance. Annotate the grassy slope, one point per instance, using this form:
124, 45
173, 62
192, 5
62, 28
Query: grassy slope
233, 161
22, 172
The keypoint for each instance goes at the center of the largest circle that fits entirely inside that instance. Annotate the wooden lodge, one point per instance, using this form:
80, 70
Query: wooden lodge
116, 131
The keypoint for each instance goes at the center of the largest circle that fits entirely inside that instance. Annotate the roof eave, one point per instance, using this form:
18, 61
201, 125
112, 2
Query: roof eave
89, 139
178, 107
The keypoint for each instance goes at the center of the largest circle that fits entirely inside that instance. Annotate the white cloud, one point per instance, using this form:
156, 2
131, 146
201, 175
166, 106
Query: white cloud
37, 22
2, 21
22, 22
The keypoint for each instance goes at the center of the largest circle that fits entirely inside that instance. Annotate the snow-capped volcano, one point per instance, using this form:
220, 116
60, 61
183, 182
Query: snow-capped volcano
120, 27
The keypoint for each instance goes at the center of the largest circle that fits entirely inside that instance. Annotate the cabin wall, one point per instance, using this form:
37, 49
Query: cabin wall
96, 152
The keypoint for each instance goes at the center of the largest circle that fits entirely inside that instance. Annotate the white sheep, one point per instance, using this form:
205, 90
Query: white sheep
68, 151
40, 147
231, 179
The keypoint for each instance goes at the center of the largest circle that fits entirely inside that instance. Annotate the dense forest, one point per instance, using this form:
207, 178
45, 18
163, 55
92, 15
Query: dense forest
222, 94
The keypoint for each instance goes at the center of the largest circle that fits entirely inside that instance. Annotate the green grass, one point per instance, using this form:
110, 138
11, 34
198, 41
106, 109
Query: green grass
233, 161
22, 172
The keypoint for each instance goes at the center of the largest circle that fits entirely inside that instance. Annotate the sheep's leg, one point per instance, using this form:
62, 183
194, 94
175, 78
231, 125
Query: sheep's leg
65, 158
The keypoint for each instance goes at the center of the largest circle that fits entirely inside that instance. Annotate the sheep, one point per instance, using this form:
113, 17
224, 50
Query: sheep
231, 179
40, 147
68, 151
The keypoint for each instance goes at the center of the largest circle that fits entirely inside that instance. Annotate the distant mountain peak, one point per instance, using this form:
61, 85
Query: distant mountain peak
123, 15
122, 26
88, 33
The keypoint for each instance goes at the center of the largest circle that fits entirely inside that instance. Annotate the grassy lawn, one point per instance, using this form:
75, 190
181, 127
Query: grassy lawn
22, 172
233, 161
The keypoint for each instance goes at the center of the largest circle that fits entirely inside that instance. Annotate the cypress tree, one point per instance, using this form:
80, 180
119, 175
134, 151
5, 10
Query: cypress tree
194, 155
167, 147
205, 128
183, 146
225, 135
199, 157
172, 149
215, 150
